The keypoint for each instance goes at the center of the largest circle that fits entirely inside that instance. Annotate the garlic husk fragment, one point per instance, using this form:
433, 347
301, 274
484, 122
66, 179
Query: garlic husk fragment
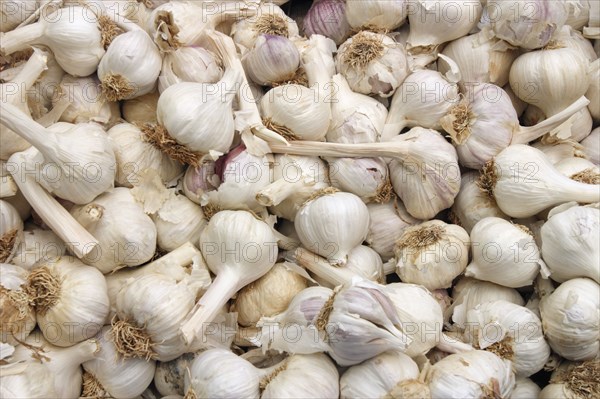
570, 319
558, 75
387, 222
390, 374
38, 245
571, 38
269, 19
558, 150
14, 12
355, 117
524, 182
119, 377
379, 15
591, 146
169, 376
525, 388
372, 63
130, 66
593, 92
332, 224
367, 178
504, 253
134, 154
269, 295
432, 254
141, 109
526, 24
70, 299
472, 374
510, 331
573, 380
427, 179
178, 221
126, 234
570, 243
273, 59
579, 14
327, 18
189, 64
11, 231
40, 356
33, 380
17, 318
473, 204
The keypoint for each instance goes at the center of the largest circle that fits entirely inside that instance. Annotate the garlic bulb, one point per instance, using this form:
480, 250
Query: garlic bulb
524, 182
472, 374
11, 231
387, 222
178, 221
269, 19
169, 376
526, 24
504, 253
372, 63
593, 92
253, 255
550, 78
38, 245
573, 380
130, 66
17, 318
355, 117
70, 300
420, 316
367, 178
473, 204
510, 331
525, 389
141, 109
381, 15
568, 37
579, 14
570, 319
199, 180
134, 155
557, 150
272, 60
332, 224
390, 374
76, 35
591, 146
126, 234
269, 295
189, 64
570, 243
519, 105
33, 381
424, 97
428, 180
119, 377
432, 254
14, 12
327, 18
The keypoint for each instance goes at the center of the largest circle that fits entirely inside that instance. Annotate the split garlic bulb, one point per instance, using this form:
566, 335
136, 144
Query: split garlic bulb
372, 63
332, 224
273, 59
269, 295
126, 234
11, 231
38, 245
570, 243
119, 377
269, 19
135, 154
573, 380
504, 253
570, 319
368, 178
472, 374
189, 64
432, 254
70, 300
390, 374
510, 331
17, 318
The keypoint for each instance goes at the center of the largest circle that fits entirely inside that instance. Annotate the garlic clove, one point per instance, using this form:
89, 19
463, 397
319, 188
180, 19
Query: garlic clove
591, 146
169, 376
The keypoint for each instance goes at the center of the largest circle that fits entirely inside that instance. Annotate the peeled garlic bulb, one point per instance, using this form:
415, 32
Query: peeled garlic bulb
376, 14
189, 64
504, 253
332, 224
269, 295
432, 254
372, 63
500, 327
126, 234
11, 231
472, 374
570, 244
17, 319
38, 245
570, 319
368, 178
269, 19
70, 300
273, 59
573, 380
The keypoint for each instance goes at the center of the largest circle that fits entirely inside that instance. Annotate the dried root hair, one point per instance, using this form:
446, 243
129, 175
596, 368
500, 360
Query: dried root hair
583, 379
320, 193
363, 50
165, 24
158, 136
15, 307
272, 24
108, 30
323, 317
131, 341
210, 210
190, 394
460, 119
420, 237
116, 87
488, 178
299, 77
524, 228
92, 388
283, 131
7, 244
43, 289
384, 192
408, 389
587, 176
270, 377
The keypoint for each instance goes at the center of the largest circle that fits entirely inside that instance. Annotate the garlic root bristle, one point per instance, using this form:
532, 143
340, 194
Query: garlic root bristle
108, 30
166, 31
267, 379
210, 210
524, 228
272, 24
421, 237
15, 307
323, 317
384, 192
92, 388
190, 394
408, 389
461, 117
7, 243
321, 193
298, 78
131, 341
363, 49
588, 176
158, 136
283, 131
43, 288
116, 87
583, 380
488, 179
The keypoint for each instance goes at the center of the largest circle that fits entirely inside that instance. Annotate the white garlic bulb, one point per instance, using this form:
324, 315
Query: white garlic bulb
126, 234
70, 300
169, 376
189, 64
269, 295
38, 245
272, 60
269, 19
17, 318
119, 377
141, 109
557, 150
327, 18
332, 224
367, 178
472, 374
570, 319
504, 253
510, 331
593, 91
11, 231
591, 146
376, 14
178, 221
372, 63
525, 388
573, 380
134, 154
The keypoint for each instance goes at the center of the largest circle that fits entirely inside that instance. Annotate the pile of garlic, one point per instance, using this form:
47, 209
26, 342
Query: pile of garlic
300, 199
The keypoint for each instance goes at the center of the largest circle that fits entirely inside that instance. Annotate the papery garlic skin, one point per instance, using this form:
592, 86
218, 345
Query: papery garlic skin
178, 221
38, 245
198, 180
525, 389
80, 300
11, 231
140, 109
273, 59
35, 381
591, 146
472, 374
368, 178
376, 14
169, 376
14, 12
593, 92
327, 18
376, 71
189, 64
333, 224
529, 25
570, 319
269, 19
432, 254
17, 318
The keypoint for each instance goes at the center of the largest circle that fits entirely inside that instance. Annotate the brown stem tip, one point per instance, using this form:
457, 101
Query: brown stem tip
587, 176
283, 131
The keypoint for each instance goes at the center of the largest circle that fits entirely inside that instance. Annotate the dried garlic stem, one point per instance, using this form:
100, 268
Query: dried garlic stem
341, 150
279, 190
321, 267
